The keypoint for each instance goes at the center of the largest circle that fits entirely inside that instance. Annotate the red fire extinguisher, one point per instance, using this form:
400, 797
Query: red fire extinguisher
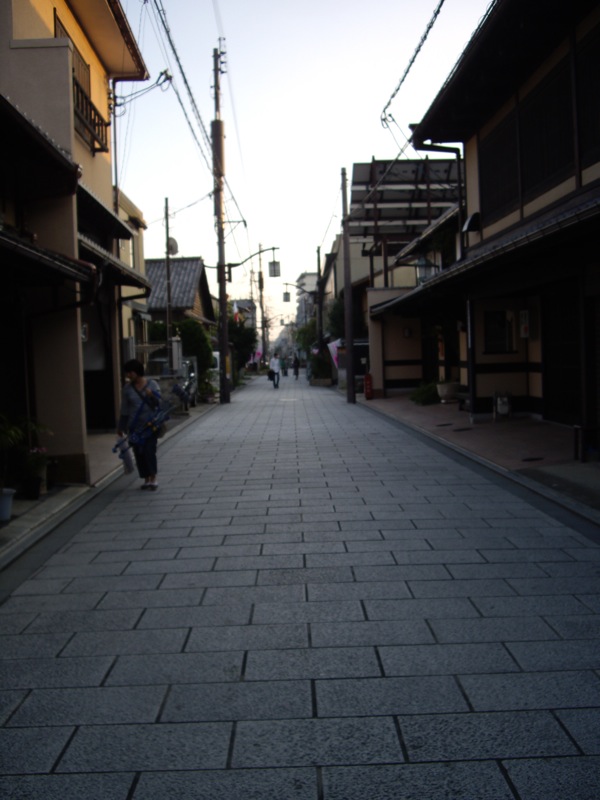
368, 386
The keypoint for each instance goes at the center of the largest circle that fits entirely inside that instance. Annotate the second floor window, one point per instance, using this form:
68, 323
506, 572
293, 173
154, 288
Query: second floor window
89, 123
81, 70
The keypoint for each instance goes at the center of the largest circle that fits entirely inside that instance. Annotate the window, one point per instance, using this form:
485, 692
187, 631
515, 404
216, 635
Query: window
588, 91
499, 170
499, 332
81, 70
546, 133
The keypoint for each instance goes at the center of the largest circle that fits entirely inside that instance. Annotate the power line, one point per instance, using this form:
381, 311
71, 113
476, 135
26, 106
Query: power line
162, 16
385, 117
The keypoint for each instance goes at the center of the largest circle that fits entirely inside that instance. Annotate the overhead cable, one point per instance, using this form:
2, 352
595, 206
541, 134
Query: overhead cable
385, 117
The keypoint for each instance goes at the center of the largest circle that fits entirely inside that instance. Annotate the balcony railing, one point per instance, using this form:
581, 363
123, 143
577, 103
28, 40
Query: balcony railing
89, 123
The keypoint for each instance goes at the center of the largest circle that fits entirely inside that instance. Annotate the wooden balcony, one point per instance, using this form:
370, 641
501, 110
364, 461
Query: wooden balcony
89, 122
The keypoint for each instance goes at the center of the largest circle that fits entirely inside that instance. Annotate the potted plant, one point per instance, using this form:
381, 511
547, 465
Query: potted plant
32, 459
10, 436
448, 390
34, 472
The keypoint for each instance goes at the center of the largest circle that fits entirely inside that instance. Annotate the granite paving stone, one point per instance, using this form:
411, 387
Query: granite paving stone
540, 779
446, 659
477, 779
388, 696
176, 668
37, 673
190, 616
272, 613
159, 598
357, 634
31, 750
458, 737
322, 662
188, 580
32, 645
98, 786
248, 637
583, 724
251, 700
147, 747
59, 621
53, 602
9, 701
428, 608
532, 690
492, 629
317, 603
289, 743
571, 654
580, 627
230, 784
98, 706
119, 642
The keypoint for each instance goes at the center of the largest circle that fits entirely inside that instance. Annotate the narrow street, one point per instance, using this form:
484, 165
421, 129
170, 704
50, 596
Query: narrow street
316, 604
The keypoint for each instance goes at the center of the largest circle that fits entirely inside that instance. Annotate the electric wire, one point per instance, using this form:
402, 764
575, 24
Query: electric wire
384, 114
162, 16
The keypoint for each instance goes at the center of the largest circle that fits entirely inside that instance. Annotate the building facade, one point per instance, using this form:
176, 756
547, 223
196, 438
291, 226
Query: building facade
64, 279
518, 312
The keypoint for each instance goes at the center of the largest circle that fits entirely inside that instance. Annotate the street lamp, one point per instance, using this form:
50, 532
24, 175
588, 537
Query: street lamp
274, 272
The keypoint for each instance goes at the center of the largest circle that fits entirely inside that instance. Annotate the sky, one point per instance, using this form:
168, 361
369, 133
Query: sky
302, 96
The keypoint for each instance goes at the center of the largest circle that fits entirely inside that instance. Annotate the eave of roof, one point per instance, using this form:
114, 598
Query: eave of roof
57, 265
580, 210
512, 39
101, 216
106, 25
124, 275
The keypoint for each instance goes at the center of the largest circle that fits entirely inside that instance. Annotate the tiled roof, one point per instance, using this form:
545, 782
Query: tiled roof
186, 274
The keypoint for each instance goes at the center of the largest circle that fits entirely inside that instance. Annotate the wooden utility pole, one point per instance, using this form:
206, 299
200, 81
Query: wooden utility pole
319, 302
218, 154
263, 324
169, 297
348, 324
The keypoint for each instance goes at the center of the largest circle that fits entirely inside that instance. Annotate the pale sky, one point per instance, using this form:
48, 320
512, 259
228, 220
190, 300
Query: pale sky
305, 87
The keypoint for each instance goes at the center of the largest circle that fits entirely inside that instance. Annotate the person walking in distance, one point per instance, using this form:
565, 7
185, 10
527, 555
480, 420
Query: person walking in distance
296, 365
140, 401
275, 365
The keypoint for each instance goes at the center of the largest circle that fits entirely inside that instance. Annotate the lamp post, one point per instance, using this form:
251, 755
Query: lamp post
274, 270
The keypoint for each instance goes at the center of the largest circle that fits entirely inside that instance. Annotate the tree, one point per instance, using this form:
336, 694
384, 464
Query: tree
306, 336
242, 339
335, 319
194, 342
157, 331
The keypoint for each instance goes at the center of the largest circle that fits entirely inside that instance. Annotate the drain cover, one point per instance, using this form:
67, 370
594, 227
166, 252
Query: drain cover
533, 458
443, 424
460, 430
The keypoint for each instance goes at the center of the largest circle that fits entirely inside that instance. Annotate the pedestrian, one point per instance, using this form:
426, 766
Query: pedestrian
140, 401
296, 365
275, 366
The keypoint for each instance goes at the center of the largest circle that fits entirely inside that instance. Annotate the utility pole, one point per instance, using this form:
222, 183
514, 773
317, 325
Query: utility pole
218, 153
169, 297
319, 302
348, 325
261, 287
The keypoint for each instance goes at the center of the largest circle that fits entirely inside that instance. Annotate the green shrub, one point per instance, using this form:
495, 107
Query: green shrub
425, 395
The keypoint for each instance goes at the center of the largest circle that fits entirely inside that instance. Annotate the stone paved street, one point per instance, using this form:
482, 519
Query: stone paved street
316, 604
